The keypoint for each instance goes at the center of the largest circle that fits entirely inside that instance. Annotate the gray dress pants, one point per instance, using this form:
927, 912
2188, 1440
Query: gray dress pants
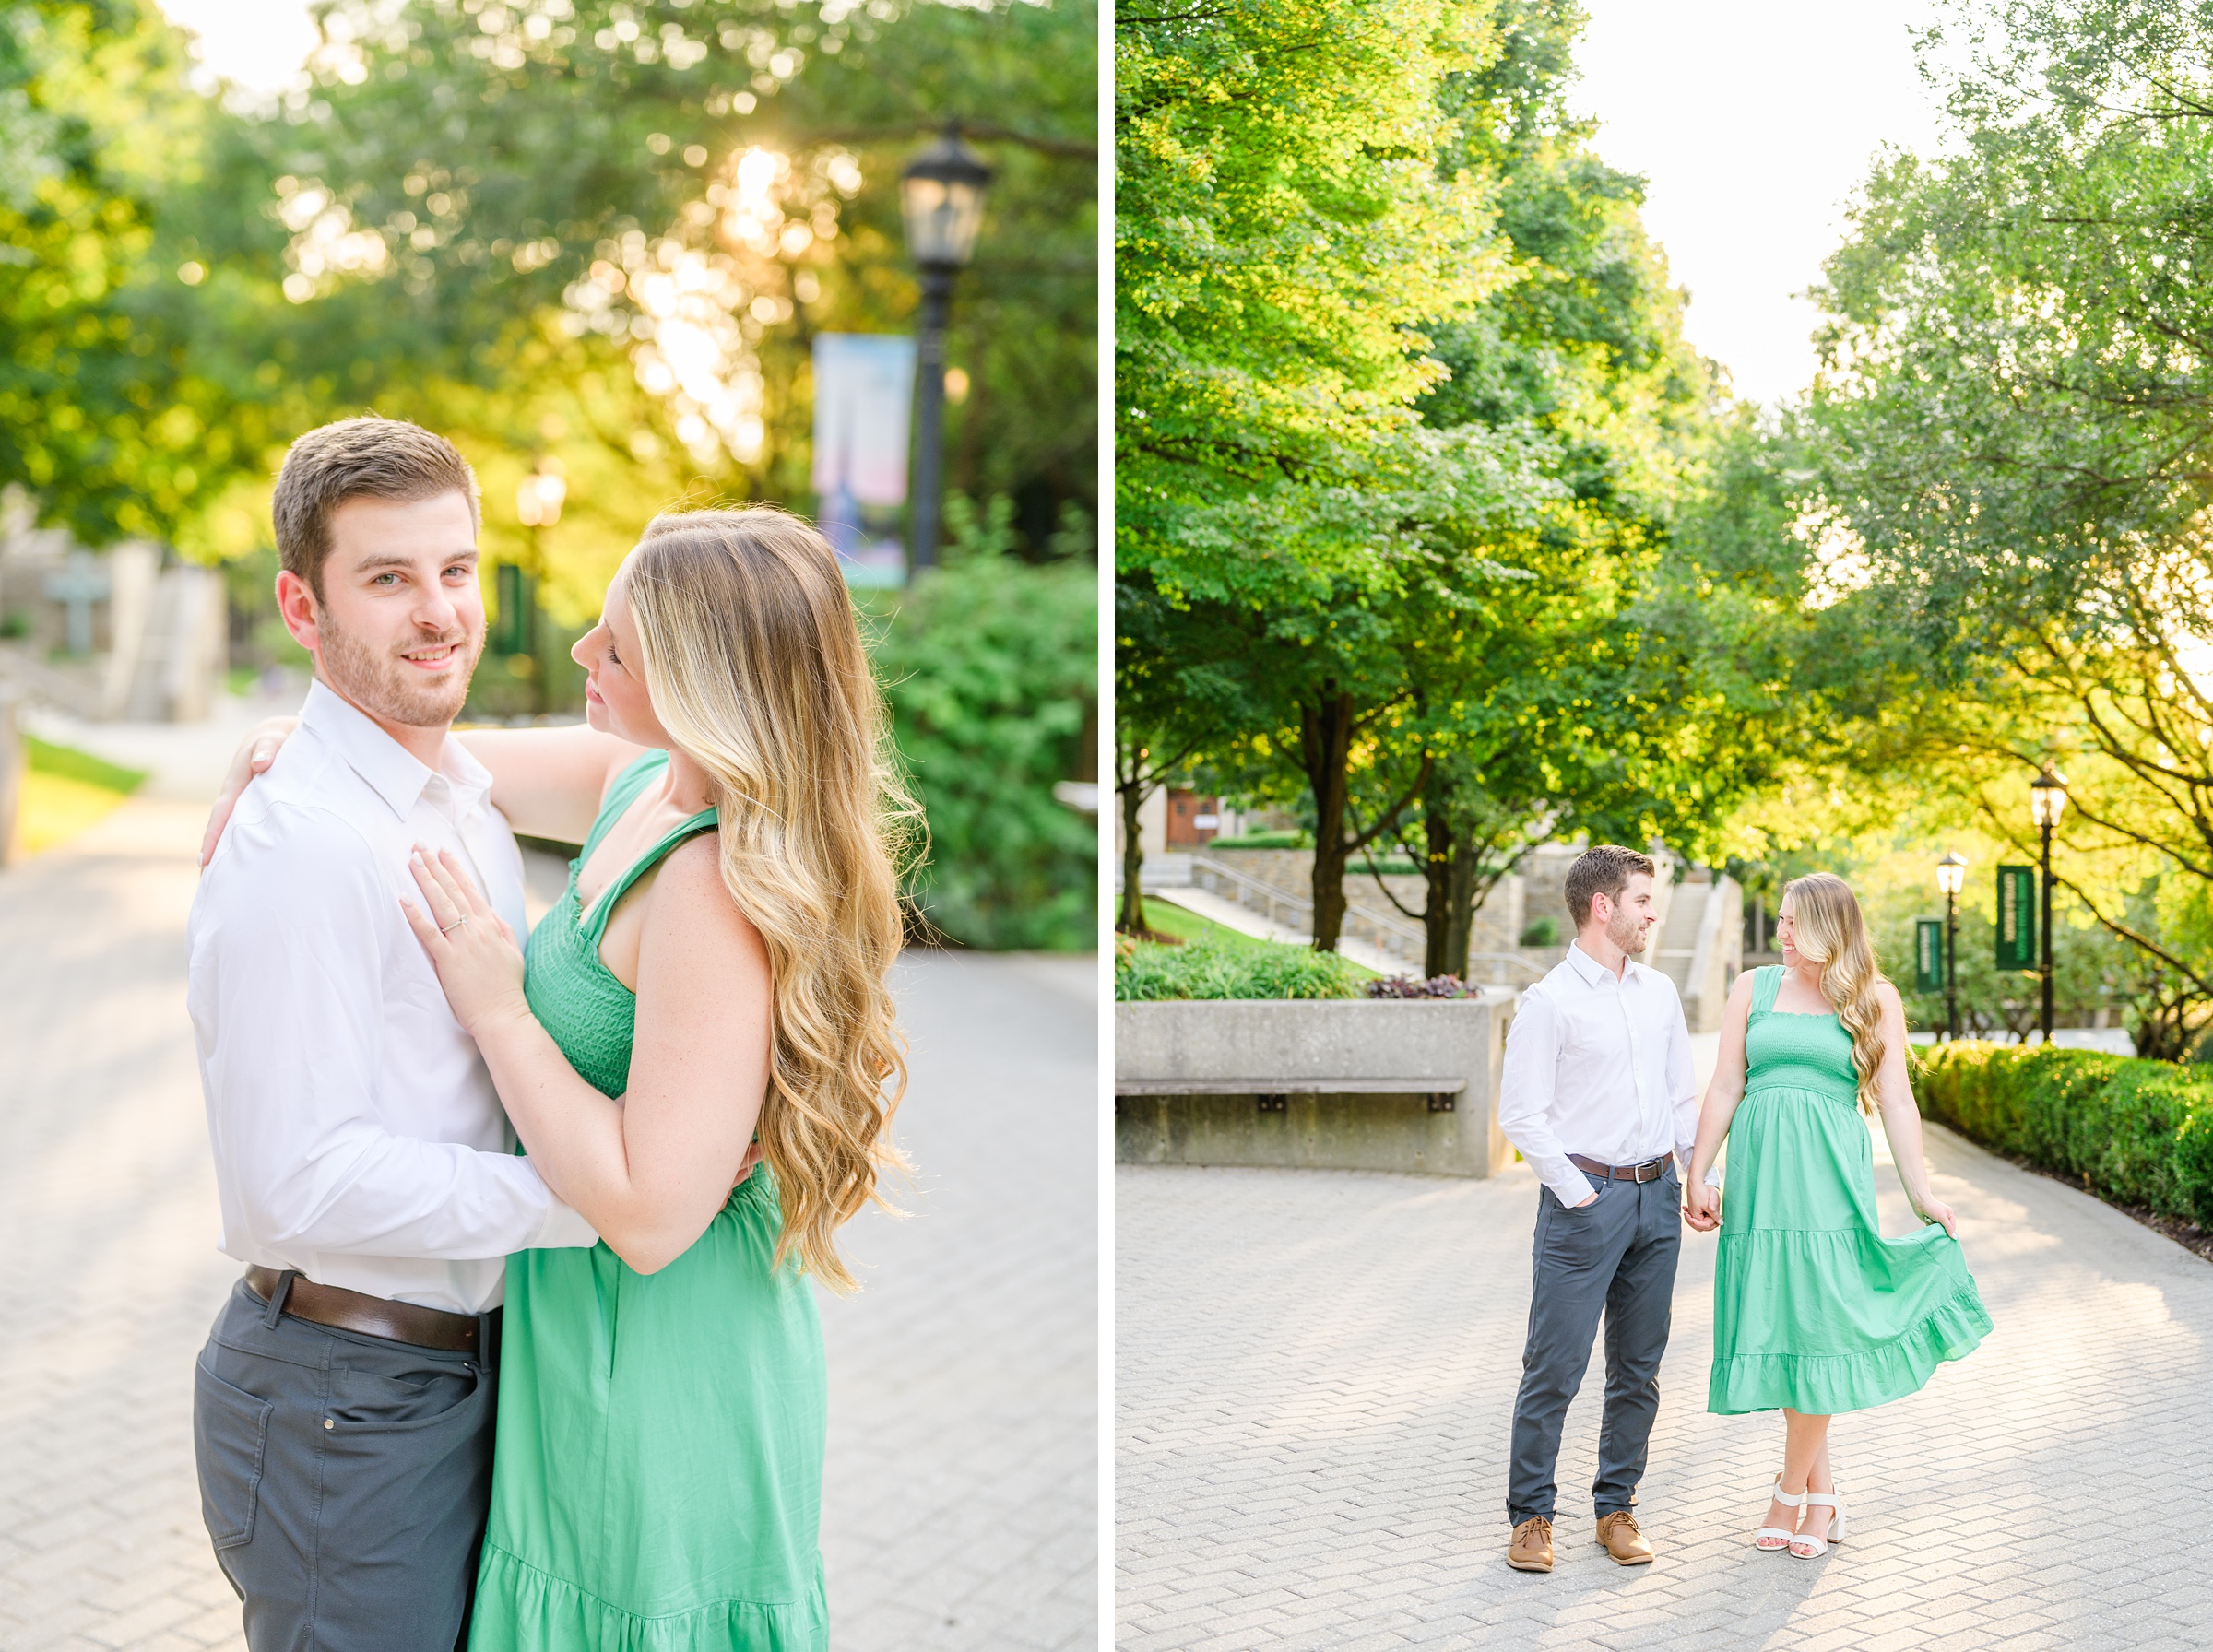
1616, 1255
345, 1480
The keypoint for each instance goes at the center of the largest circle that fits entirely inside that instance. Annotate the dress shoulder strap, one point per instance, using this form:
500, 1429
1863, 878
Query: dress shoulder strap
620, 794
596, 922
1766, 981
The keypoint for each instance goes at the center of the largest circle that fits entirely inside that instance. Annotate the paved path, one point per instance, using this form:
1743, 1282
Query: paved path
960, 1509
1316, 1374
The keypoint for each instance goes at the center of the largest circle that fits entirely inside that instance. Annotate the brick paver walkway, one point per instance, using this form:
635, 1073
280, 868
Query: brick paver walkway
1315, 1374
960, 1509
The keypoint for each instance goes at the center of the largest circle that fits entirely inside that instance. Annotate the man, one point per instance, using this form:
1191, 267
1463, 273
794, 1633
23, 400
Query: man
1597, 1093
343, 1405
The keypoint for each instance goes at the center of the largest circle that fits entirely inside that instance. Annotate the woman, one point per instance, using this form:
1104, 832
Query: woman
1814, 1311
710, 991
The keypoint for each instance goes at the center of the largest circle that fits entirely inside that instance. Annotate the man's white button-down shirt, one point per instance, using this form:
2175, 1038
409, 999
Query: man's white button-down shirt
1600, 1067
357, 1138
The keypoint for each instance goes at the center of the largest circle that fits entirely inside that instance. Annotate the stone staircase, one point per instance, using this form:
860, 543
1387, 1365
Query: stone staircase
1700, 946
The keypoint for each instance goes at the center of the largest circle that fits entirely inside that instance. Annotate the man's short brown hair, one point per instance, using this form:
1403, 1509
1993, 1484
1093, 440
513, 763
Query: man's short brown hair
1602, 870
368, 457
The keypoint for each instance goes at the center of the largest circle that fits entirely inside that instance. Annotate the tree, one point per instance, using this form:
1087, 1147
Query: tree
472, 194
1285, 230
1601, 697
1169, 711
1434, 529
2014, 398
110, 414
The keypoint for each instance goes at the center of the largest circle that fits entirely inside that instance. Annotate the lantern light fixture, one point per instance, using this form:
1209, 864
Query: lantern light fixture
2048, 797
941, 197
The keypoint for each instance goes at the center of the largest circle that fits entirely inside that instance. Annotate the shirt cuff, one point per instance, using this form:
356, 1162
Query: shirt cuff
1568, 1184
563, 1229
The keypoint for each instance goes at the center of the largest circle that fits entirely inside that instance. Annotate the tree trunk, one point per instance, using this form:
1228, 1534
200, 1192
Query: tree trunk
1132, 918
1325, 742
1438, 866
2163, 1030
1459, 909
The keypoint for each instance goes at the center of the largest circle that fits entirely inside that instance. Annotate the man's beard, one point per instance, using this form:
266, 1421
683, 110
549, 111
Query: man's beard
1628, 933
386, 686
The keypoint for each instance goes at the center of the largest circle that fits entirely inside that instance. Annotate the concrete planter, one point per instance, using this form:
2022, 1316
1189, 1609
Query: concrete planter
1326, 1084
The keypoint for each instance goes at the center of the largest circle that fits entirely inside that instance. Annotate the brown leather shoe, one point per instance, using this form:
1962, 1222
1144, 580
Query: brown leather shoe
1619, 1533
1532, 1549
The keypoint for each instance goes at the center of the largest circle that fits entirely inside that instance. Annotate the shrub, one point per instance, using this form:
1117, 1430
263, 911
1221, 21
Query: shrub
1408, 986
1540, 932
2132, 1132
1265, 840
989, 665
1205, 967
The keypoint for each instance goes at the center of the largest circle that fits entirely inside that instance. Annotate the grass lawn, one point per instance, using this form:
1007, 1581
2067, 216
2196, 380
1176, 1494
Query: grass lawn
66, 791
1165, 918
1168, 918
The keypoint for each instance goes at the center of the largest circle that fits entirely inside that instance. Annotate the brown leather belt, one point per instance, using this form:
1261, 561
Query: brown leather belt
1652, 1170
370, 1315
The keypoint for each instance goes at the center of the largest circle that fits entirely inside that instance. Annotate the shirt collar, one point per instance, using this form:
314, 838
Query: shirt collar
1595, 973
393, 773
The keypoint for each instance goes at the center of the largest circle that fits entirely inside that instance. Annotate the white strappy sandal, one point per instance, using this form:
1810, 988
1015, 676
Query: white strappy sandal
1772, 1539
1804, 1547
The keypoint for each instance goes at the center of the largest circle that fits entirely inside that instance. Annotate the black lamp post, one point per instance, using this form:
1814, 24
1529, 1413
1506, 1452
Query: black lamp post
941, 195
1952, 876
2047, 802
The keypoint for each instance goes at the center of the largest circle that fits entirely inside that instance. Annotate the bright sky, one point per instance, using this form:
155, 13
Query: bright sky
258, 43
1753, 122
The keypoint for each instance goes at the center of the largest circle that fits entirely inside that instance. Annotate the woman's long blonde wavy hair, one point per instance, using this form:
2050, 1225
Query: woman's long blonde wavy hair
756, 668
1829, 930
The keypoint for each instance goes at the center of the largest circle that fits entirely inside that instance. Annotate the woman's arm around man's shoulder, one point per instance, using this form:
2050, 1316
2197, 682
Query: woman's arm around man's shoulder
548, 781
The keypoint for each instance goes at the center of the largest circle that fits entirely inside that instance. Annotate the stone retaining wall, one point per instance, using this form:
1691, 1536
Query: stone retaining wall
1287, 1052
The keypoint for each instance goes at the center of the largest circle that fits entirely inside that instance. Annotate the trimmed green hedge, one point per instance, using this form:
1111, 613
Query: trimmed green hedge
2132, 1132
1210, 968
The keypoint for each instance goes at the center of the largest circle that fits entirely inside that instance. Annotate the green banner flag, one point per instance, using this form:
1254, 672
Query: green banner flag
2016, 917
1928, 954
511, 620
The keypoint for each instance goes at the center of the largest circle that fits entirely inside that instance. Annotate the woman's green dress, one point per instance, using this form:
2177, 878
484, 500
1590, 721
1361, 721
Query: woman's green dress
657, 1478
1813, 1308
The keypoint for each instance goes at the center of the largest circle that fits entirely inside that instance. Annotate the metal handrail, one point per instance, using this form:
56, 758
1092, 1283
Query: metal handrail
1405, 933
1536, 970
1244, 883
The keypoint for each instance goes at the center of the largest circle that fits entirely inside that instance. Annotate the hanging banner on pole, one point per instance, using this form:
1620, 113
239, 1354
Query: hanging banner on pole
2016, 917
864, 391
1928, 955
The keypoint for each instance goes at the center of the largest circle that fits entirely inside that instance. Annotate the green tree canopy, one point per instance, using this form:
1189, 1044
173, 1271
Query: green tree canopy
110, 412
2014, 407
1410, 532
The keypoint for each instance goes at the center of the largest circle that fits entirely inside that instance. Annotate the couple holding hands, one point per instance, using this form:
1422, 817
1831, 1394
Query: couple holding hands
1815, 1311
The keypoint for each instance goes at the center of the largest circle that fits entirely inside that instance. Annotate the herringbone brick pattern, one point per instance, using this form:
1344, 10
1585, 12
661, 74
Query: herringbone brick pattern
960, 1508
1315, 1374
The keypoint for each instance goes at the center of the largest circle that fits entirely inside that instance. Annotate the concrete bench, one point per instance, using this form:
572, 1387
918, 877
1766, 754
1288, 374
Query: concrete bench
1333, 1084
